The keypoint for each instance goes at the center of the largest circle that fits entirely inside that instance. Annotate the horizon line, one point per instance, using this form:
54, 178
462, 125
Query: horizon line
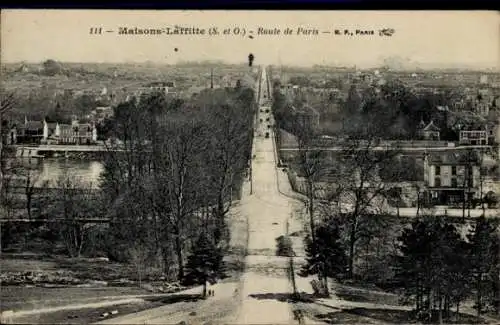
421, 66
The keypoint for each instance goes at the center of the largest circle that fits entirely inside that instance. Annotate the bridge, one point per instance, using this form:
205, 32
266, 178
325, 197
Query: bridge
44, 151
56, 220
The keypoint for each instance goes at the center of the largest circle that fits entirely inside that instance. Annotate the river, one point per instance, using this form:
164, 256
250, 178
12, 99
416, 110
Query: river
51, 170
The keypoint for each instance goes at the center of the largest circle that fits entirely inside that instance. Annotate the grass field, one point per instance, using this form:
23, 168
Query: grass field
27, 298
79, 267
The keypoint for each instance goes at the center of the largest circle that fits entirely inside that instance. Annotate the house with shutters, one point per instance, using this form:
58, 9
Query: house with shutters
76, 133
451, 176
36, 132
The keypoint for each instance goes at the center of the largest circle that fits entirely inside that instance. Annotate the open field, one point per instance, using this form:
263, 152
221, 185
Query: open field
29, 298
80, 268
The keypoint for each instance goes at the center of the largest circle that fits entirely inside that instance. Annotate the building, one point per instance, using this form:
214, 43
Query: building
482, 107
76, 133
474, 137
167, 87
451, 176
35, 132
429, 131
30, 132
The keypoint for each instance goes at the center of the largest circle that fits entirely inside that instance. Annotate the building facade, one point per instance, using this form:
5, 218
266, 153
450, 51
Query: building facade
474, 137
35, 132
451, 177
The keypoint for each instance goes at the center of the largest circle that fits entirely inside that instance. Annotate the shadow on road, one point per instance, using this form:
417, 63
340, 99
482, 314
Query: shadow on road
284, 297
175, 298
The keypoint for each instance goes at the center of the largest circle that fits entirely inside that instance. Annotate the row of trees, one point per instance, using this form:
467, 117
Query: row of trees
435, 267
355, 170
176, 171
168, 182
441, 269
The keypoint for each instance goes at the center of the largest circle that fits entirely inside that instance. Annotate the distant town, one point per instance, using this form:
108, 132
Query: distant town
211, 193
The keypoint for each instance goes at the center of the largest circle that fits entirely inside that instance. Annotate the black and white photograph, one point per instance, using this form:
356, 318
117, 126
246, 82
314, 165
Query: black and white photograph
197, 167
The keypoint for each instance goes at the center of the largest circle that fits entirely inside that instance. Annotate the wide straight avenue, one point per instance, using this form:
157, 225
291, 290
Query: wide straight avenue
265, 281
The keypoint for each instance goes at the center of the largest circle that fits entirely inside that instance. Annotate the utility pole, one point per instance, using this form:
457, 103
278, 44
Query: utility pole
251, 181
212, 78
291, 262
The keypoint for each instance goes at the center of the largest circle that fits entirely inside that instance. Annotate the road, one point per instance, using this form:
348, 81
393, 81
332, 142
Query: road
265, 278
256, 299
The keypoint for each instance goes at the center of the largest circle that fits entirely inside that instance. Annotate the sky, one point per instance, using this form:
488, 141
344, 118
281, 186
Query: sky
424, 38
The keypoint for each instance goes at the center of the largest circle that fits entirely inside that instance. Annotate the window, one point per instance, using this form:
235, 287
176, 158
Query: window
438, 170
437, 182
453, 170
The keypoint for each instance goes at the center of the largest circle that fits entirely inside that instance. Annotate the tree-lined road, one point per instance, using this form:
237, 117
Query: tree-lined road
265, 278
257, 299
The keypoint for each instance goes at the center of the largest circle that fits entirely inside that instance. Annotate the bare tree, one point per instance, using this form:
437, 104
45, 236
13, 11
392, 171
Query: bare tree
364, 190
227, 157
138, 256
311, 165
183, 142
73, 203
32, 177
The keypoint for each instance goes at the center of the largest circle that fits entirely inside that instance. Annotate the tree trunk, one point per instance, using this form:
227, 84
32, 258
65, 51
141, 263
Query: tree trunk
463, 205
429, 300
418, 202
327, 291
481, 193
81, 239
447, 307
440, 309
479, 296
205, 288
352, 242
458, 310
417, 298
310, 195
292, 277
28, 202
178, 250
